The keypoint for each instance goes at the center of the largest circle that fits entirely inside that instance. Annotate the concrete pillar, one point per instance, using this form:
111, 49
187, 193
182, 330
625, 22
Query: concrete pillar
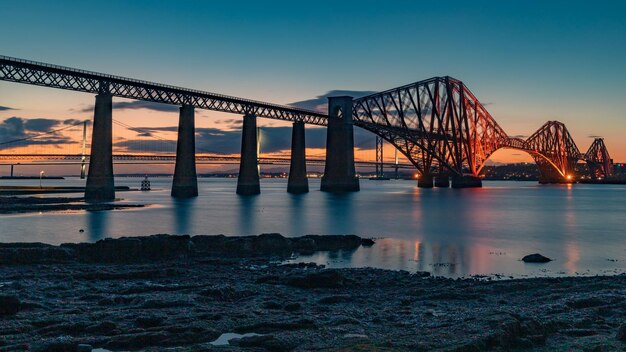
442, 181
298, 182
425, 181
185, 182
466, 181
339, 171
248, 181
100, 185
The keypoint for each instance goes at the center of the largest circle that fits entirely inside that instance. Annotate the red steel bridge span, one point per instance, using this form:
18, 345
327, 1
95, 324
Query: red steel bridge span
438, 124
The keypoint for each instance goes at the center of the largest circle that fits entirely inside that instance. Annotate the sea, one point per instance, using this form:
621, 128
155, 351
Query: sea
447, 232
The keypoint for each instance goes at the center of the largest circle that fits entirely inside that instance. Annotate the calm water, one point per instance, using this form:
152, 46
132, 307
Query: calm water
444, 231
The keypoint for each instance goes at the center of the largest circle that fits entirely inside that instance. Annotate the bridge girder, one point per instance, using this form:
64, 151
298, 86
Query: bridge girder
440, 119
442, 127
598, 160
554, 151
438, 124
53, 76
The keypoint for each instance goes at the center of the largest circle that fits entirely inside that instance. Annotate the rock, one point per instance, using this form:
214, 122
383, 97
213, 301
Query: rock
34, 253
271, 305
9, 305
149, 322
578, 332
367, 242
83, 347
252, 341
266, 327
586, 302
333, 243
621, 332
226, 293
355, 336
292, 307
433, 313
244, 246
160, 247
328, 278
102, 328
535, 258
61, 344
334, 299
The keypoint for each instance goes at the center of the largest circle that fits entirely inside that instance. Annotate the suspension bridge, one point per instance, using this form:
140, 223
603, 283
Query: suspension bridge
437, 124
70, 145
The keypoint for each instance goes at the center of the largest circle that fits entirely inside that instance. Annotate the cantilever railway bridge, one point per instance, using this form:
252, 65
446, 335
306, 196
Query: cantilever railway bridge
438, 124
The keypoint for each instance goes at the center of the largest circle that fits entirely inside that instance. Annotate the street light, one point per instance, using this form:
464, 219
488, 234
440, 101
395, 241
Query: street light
40, 176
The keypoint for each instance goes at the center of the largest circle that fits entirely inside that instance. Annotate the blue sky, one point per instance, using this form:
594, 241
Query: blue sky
530, 61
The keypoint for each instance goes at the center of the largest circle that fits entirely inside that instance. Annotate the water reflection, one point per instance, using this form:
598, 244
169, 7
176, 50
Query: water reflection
183, 213
451, 260
97, 225
444, 231
339, 212
298, 216
247, 214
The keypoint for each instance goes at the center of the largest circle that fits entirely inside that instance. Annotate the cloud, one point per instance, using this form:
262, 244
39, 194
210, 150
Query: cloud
5, 108
320, 102
75, 122
12, 128
18, 128
40, 124
232, 124
138, 104
593, 136
519, 136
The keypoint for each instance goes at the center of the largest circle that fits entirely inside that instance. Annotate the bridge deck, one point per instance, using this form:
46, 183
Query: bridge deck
47, 75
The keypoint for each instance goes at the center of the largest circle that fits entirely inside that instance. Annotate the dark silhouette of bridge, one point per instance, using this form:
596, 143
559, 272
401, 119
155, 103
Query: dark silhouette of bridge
438, 124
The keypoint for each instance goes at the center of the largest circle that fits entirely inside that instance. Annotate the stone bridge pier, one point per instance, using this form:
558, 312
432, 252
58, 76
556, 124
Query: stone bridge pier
248, 180
298, 182
185, 184
339, 171
100, 185
466, 181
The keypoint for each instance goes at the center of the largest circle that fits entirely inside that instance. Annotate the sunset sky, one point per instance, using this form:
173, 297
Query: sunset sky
527, 61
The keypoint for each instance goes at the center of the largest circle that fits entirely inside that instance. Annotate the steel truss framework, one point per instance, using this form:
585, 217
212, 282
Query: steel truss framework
41, 74
438, 124
442, 128
598, 160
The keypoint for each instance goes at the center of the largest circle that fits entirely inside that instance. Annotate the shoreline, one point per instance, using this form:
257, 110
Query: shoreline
182, 293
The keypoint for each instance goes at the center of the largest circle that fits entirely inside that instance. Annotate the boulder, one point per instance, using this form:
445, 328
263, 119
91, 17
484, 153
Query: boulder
333, 243
535, 258
621, 332
367, 242
33, 253
9, 305
149, 321
292, 307
83, 347
328, 278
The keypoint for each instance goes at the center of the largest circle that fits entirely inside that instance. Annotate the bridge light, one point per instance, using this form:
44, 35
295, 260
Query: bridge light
569, 177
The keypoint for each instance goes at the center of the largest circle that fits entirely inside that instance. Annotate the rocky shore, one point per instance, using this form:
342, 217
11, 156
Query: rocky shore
183, 293
15, 205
